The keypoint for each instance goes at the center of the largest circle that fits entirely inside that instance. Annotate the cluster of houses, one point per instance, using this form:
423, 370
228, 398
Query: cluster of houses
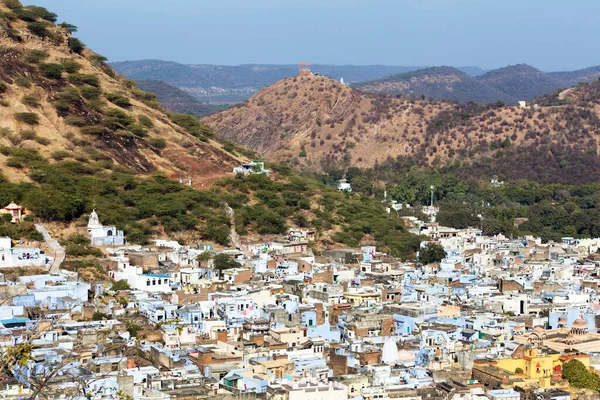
497, 319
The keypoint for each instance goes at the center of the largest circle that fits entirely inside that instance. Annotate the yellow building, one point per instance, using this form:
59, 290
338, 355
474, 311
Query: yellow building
537, 367
358, 299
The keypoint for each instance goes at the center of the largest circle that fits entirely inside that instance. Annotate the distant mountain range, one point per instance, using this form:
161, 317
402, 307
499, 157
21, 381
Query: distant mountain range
176, 100
220, 84
235, 84
509, 84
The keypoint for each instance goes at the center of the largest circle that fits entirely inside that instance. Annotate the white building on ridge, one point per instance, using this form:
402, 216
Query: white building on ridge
101, 235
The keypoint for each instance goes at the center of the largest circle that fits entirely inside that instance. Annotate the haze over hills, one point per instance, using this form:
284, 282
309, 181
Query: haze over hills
509, 84
233, 84
521, 81
316, 123
60, 101
438, 83
176, 100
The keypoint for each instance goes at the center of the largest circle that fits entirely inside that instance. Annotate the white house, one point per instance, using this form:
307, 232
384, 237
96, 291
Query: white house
49, 289
138, 280
20, 257
344, 185
101, 235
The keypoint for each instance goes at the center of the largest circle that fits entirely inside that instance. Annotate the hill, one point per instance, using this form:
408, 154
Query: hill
233, 84
509, 84
176, 100
318, 124
521, 81
75, 136
60, 101
438, 83
572, 78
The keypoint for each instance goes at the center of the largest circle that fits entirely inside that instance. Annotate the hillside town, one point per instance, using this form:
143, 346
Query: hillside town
496, 318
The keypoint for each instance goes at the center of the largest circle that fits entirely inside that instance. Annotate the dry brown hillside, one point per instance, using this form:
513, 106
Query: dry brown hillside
316, 123
61, 99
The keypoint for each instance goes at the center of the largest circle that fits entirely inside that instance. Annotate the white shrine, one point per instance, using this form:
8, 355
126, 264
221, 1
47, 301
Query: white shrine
101, 235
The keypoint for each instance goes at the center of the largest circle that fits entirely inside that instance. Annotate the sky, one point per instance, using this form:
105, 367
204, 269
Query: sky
551, 35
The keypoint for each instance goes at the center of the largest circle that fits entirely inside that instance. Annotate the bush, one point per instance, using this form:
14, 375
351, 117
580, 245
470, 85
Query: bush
41, 12
98, 316
93, 130
70, 66
51, 71
90, 93
27, 118
38, 29
30, 101
192, 125
118, 100
75, 45
22, 82
78, 79
28, 135
120, 285
75, 121
3, 87
144, 120
60, 155
157, 143
12, 4
35, 56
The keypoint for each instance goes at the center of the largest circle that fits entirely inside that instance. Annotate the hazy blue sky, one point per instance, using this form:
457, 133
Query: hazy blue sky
549, 34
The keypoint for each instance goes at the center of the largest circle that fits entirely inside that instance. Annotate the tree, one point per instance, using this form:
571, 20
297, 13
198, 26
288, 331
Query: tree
120, 285
75, 45
68, 27
519, 370
222, 262
579, 376
432, 253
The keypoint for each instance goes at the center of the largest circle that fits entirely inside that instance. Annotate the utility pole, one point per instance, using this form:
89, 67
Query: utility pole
431, 210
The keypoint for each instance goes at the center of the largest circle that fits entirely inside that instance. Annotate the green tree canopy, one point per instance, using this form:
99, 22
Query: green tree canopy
432, 253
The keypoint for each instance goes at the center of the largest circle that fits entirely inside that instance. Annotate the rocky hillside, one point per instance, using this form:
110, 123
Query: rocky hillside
316, 123
438, 83
60, 101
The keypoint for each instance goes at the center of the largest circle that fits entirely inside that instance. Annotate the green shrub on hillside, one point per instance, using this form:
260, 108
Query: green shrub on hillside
75, 45
144, 120
22, 82
79, 79
157, 143
34, 12
30, 101
75, 121
90, 93
51, 70
93, 130
13, 4
70, 66
27, 118
118, 100
38, 29
35, 56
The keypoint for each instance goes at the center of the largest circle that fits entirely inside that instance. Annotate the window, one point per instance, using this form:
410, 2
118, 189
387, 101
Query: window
148, 282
